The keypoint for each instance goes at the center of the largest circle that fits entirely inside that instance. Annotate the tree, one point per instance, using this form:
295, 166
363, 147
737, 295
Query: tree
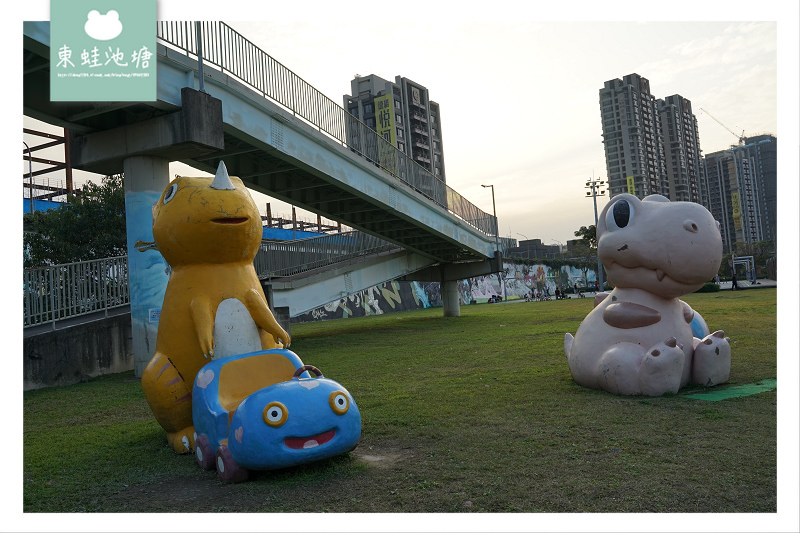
588, 236
91, 226
586, 250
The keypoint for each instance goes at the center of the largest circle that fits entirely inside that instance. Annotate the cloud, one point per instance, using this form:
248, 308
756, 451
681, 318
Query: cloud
102, 27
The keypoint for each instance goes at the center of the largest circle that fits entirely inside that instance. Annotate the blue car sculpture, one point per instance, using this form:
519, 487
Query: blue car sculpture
264, 411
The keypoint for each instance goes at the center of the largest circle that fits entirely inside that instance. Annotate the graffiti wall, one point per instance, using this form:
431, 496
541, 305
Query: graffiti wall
392, 296
521, 279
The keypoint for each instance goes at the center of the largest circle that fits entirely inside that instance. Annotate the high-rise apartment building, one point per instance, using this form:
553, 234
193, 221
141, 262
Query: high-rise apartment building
742, 190
632, 137
403, 114
652, 145
685, 172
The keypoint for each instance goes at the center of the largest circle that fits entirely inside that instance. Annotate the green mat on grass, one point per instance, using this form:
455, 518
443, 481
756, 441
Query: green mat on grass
735, 392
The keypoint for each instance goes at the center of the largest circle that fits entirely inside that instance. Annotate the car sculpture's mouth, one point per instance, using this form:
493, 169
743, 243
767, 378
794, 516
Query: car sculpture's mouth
230, 220
304, 443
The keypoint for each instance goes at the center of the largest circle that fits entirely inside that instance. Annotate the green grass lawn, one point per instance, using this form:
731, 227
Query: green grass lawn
471, 414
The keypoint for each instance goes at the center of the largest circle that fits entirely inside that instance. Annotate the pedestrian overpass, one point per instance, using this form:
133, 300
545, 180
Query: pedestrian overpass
220, 98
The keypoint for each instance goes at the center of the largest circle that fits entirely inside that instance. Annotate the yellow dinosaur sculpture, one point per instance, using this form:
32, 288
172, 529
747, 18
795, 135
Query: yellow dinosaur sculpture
209, 232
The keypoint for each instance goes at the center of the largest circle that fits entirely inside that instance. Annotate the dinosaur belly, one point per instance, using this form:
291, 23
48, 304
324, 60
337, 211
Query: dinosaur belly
627, 315
235, 331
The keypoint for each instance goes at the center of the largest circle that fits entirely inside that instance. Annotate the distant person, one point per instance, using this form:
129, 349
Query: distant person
734, 285
575, 289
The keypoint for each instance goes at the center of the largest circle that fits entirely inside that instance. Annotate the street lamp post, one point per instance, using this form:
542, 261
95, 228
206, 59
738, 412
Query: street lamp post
497, 238
496, 225
596, 187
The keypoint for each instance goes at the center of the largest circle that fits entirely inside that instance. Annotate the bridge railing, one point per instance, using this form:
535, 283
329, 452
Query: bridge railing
65, 291
70, 290
288, 258
227, 50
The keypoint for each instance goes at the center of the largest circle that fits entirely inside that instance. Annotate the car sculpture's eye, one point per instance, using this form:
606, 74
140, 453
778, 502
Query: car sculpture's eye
275, 414
339, 402
620, 215
170, 194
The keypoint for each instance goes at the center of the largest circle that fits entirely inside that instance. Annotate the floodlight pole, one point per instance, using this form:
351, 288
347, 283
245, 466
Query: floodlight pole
596, 190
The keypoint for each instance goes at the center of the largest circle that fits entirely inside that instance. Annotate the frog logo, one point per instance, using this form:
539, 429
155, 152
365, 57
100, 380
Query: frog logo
103, 27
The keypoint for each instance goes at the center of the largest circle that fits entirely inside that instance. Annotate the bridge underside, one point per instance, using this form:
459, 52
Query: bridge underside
271, 150
303, 293
272, 172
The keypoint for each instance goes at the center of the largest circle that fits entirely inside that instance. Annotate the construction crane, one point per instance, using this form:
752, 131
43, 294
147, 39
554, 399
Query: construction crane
740, 137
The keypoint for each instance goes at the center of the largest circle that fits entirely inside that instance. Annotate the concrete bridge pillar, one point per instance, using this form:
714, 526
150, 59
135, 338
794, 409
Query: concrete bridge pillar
146, 177
450, 302
143, 150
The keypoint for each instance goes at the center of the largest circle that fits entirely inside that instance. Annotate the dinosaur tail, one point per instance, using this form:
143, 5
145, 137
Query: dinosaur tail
568, 340
170, 400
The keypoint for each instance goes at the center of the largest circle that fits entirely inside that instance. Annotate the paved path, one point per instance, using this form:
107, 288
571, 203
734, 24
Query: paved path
761, 283
723, 286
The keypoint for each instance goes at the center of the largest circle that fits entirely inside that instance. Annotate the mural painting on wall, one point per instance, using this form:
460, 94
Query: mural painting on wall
214, 312
147, 286
641, 338
388, 297
393, 296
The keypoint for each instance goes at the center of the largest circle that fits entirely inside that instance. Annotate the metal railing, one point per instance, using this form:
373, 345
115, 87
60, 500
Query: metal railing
288, 258
70, 290
234, 55
65, 291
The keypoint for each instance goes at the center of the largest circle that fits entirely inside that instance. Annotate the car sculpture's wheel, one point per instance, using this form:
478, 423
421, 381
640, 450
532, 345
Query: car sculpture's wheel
227, 469
203, 453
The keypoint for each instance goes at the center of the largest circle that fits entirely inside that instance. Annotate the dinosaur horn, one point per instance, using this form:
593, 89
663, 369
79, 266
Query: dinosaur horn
221, 180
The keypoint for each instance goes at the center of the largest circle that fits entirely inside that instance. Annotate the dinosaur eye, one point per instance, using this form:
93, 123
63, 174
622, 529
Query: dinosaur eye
170, 194
619, 215
275, 414
339, 402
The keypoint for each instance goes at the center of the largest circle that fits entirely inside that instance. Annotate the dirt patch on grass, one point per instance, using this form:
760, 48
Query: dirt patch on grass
380, 457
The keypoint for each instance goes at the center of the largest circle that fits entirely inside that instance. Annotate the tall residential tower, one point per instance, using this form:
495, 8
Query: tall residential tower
651, 145
685, 172
632, 137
